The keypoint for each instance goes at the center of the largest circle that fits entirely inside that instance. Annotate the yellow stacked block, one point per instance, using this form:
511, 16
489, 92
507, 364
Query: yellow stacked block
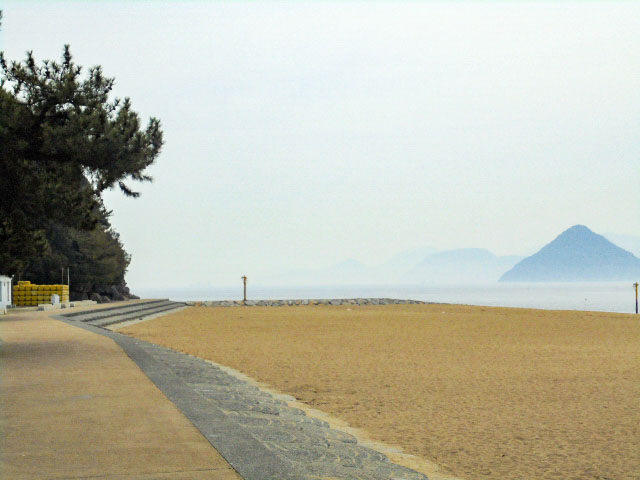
27, 294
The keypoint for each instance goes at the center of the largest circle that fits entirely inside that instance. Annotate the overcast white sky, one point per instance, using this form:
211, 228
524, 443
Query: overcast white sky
299, 134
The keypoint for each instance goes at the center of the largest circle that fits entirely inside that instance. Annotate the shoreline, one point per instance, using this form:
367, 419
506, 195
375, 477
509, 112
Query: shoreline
616, 297
364, 302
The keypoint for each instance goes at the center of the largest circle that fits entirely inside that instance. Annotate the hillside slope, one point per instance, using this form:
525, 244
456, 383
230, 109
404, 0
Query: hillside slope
577, 254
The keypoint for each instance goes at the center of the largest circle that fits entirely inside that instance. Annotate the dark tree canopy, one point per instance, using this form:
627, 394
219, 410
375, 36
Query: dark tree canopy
96, 257
63, 142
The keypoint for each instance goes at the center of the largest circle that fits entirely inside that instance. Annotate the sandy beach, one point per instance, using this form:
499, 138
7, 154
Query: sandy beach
485, 393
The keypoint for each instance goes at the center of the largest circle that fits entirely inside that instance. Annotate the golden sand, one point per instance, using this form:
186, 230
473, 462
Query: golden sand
486, 393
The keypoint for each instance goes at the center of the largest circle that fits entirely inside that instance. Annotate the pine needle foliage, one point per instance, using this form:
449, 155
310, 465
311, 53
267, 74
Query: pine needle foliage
64, 141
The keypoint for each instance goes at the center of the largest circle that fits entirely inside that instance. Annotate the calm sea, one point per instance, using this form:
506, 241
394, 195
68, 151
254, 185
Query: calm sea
604, 297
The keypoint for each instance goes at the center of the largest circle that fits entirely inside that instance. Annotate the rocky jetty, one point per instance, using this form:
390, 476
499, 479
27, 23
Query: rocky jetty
308, 301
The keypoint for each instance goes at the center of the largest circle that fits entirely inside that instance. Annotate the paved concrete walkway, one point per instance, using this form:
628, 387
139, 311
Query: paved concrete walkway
74, 405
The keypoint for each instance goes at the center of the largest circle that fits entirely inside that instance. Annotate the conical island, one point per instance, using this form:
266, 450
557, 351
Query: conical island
576, 255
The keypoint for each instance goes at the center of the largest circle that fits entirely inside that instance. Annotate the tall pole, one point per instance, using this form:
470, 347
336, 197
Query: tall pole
244, 282
636, 287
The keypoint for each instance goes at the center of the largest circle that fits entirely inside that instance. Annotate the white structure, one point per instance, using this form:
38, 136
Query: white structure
5, 293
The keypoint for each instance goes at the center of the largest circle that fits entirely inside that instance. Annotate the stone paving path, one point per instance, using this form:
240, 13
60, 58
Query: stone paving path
261, 437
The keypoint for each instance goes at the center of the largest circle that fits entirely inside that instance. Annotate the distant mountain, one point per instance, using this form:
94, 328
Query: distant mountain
418, 266
628, 242
577, 254
466, 265
394, 269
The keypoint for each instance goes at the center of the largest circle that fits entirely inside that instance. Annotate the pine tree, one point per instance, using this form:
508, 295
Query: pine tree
63, 142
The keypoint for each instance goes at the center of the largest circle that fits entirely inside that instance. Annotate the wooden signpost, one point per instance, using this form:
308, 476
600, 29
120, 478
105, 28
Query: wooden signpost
244, 281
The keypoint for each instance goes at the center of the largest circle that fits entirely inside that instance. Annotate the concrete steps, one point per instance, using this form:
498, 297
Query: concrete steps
123, 313
138, 315
113, 309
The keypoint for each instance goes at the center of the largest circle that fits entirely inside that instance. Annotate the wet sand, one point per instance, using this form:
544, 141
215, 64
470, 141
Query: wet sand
485, 393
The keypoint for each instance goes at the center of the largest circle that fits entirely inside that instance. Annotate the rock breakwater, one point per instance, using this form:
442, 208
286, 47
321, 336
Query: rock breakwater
307, 301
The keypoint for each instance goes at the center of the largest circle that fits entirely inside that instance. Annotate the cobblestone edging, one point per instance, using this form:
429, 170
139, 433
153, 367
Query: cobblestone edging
307, 301
262, 437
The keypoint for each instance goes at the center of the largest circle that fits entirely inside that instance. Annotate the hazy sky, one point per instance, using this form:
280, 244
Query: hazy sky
299, 134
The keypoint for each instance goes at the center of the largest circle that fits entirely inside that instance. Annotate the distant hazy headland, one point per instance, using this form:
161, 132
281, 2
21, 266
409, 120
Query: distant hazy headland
576, 255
